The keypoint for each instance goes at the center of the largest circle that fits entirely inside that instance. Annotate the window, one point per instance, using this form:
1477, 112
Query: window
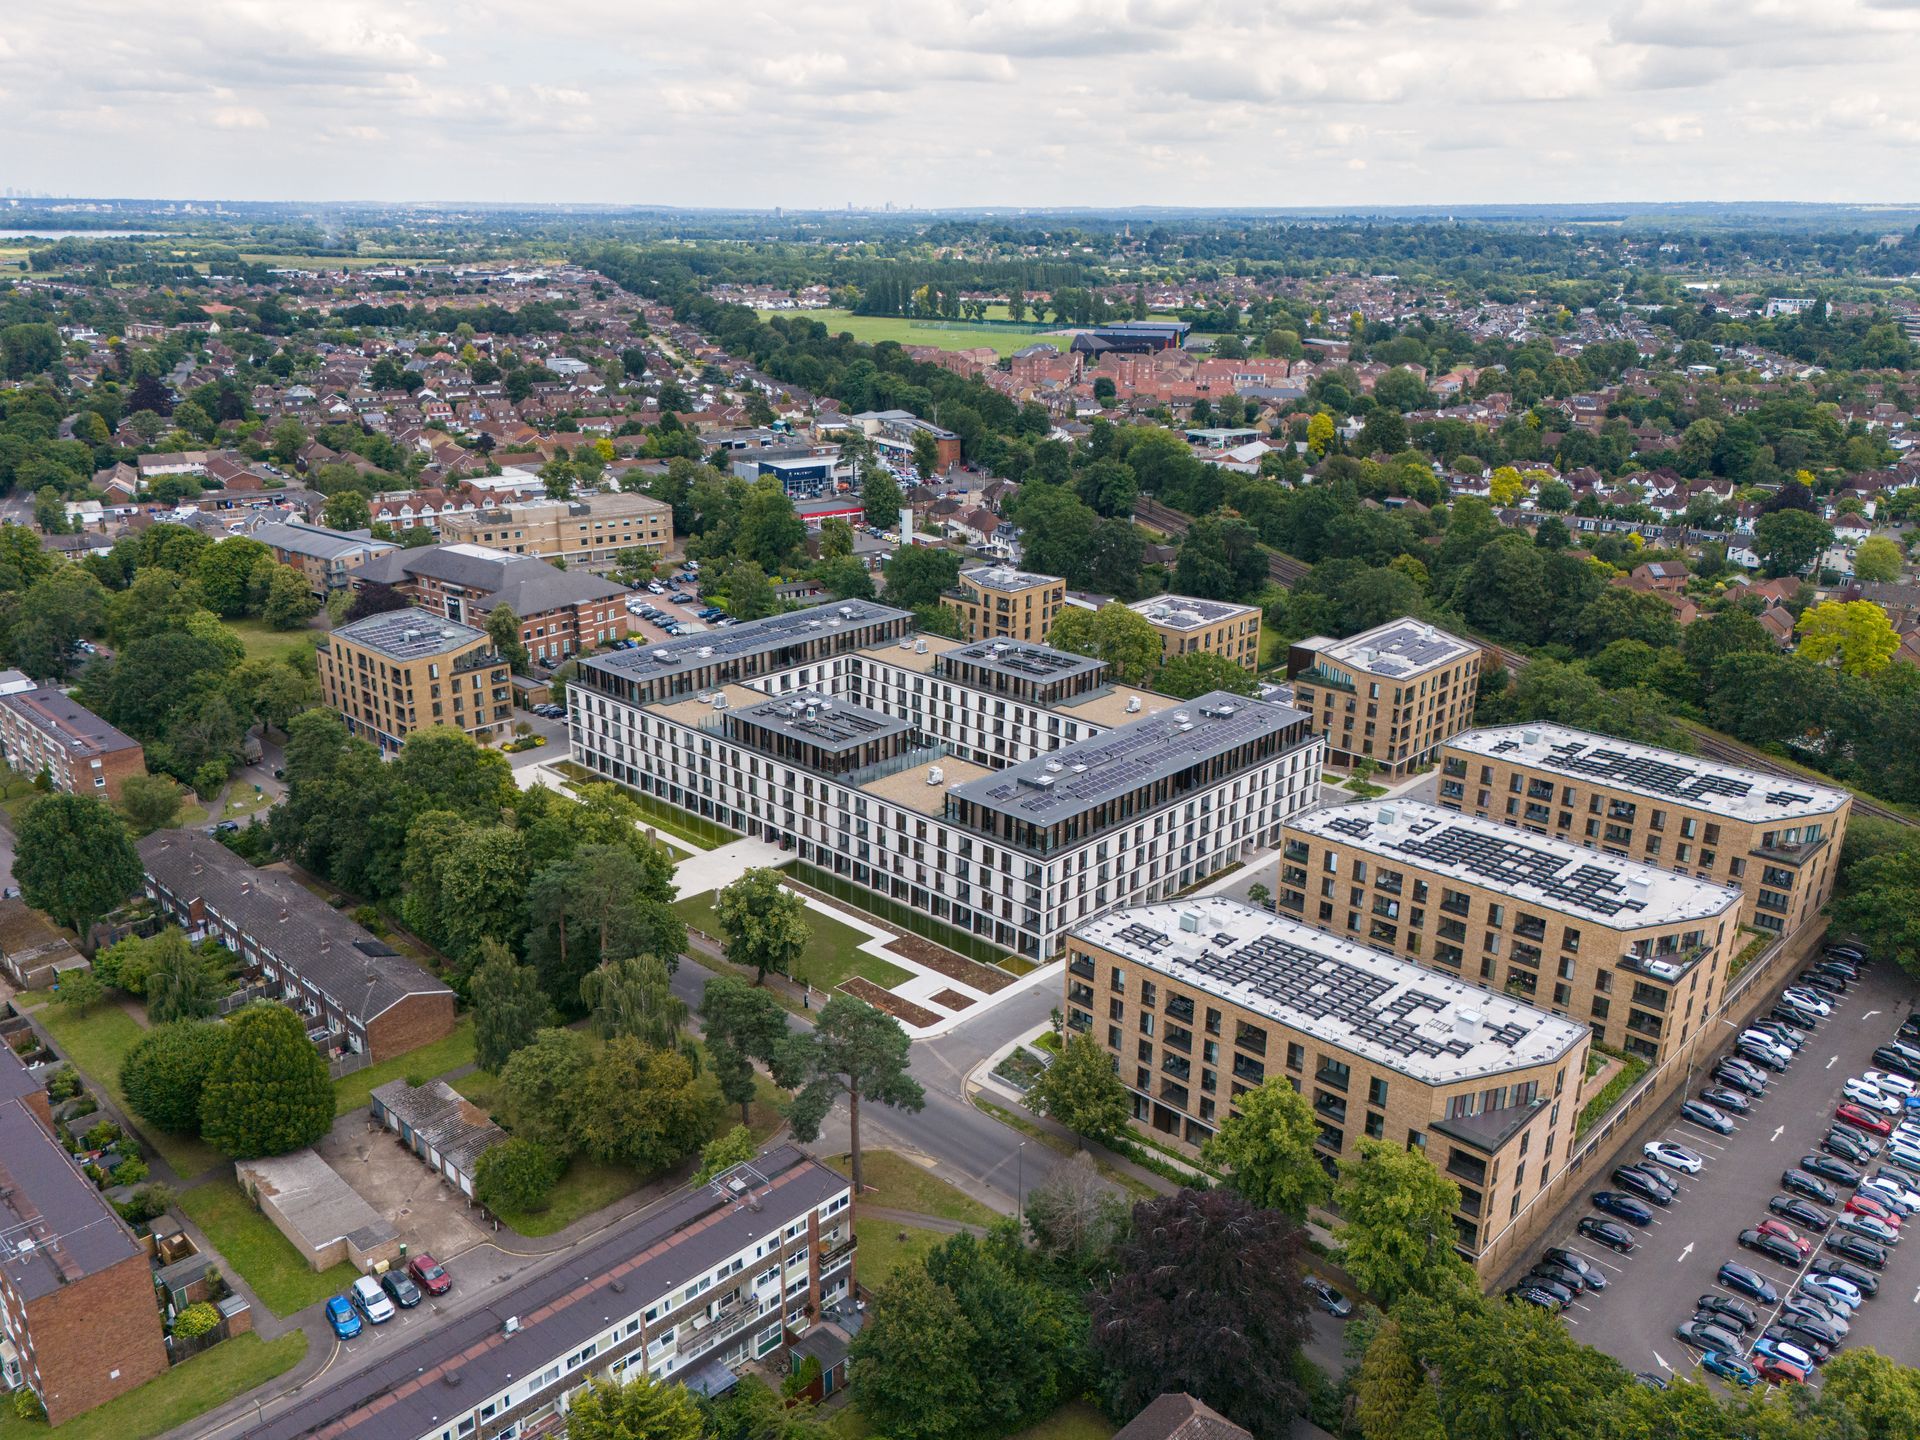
1377, 1091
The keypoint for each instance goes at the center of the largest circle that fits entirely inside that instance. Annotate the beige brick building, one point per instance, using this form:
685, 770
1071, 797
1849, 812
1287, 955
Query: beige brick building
997, 602
1777, 841
1391, 694
1213, 627
403, 670
588, 533
1201, 1000
1636, 953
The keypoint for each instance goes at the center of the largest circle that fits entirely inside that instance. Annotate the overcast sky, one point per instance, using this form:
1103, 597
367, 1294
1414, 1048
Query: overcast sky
965, 102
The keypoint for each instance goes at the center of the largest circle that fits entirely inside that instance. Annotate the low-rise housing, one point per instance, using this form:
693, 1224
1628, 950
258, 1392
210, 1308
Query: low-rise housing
326, 557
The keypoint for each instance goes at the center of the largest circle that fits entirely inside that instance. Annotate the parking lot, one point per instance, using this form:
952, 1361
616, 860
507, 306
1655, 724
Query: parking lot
1652, 1289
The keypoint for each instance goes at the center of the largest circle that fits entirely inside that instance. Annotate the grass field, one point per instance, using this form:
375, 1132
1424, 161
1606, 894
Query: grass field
948, 335
97, 1042
896, 1183
256, 1249
188, 1390
832, 952
883, 1249
265, 642
448, 1053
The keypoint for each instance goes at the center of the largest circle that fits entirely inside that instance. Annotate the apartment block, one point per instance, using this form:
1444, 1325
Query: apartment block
43, 729
403, 670
1005, 789
326, 557
1391, 694
1201, 1000
997, 602
78, 1322
756, 1265
589, 533
1775, 840
359, 995
1636, 953
1213, 627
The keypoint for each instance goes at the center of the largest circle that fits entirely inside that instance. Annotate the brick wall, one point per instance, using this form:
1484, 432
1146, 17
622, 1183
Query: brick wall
418, 1020
96, 1338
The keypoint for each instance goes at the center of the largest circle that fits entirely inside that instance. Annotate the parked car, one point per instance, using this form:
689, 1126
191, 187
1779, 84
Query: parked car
1610, 1233
1535, 1295
1771, 1246
1857, 1248
371, 1301
1742, 1281
1753, 1036
1872, 1227
1869, 1096
1890, 1083
1893, 1188
1803, 1321
1622, 1207
1861, 1118
1785, 1009
1734, 1072
1706, 1116
1816, 1307
1592, 1274
1808, 998
400, 1289
1850, 1145
1782, 1349
1703, 1336
1730, 1368
1780, 1372
1725, 1097
1329, 1299
344, 1319
1561, 1292
1801, 1212
1785, 1034
1866, 1203
1783, 1340
1735, 1314
1674, 1157
1832, 1288
428, 1274
1898, 1062
1829, 1168
1759, 1053
1815, 980
1800, 1182
1642, 1183
1572, 1280
1863, 1280
1787, 1233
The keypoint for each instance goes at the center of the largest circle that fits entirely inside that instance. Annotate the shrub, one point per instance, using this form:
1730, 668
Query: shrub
165, 1071
516, 1175
196, 1320
130, 1171
102, 1135
27, 1406
65, 1084
267, 1090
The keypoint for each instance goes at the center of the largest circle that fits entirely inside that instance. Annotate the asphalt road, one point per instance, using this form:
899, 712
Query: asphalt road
1652, 1289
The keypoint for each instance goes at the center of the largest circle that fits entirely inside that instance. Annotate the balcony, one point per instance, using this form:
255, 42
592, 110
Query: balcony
1080, 965
724, 1326
1249, 1070
835, 1254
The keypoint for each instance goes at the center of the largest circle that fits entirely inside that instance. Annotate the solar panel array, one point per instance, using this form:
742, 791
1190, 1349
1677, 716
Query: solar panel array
1504, 864
1038, 662
1144, 937
827, 722
734, 642
1400, 649
409, 634
1646, 773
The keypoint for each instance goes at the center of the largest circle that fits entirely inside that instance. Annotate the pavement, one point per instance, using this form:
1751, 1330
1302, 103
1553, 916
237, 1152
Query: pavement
706, 870
1651, 1290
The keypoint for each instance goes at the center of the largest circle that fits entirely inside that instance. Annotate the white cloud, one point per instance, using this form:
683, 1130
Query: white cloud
1669, 129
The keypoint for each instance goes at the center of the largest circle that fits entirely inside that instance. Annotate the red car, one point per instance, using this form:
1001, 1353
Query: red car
1867, 1205
1862, 1120
428, 1274
1787, 1233
1780, 1372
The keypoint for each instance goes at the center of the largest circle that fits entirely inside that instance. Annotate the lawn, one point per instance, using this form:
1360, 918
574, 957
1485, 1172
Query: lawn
832, 952
948, 335
895, 1183
188, 1390
447, 1053
258, 1252
97, 1042
263, 642
886, 1245
243, 800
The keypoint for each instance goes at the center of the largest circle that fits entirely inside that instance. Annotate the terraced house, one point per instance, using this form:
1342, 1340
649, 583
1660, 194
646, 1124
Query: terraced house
1775, 840
1202, 1000
1637, 954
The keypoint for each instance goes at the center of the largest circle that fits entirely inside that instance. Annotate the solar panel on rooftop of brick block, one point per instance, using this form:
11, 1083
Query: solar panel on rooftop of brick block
1507, 862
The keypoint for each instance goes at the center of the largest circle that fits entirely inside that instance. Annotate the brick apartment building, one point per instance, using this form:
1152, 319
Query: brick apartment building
326, 557
998, 602
359, 996
1214, 627
43, 729
562, 612
78, 1322
589, 533
1391, 694
1777, 841
403, 670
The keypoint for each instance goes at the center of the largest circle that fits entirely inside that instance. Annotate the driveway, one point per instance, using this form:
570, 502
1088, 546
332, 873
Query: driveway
429, 1214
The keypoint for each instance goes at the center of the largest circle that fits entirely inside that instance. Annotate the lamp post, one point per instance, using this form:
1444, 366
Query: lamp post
1020, 1167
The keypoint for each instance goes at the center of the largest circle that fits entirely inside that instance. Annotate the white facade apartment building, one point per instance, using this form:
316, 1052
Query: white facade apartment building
1004, 789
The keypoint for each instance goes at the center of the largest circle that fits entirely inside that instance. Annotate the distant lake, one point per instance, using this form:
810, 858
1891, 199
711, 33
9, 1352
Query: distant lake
6, 234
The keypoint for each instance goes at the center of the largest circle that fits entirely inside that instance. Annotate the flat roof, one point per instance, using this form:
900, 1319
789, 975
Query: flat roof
737, 642
1115, 705
1023, 660
410, 634
913, 652
822, 720
915, 788
65, 719
1088, 773
1729, 790
1622, 894
1005, 577
1398, 649
1183, 612
1390, 1011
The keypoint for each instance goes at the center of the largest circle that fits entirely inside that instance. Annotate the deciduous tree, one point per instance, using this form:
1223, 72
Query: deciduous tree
1081, 1090
1398, 1233
762, 923
1855, 634
165, 1071
73, 859
1114, 633
509, 1007
267, 1092
741, 1023
1267, 1150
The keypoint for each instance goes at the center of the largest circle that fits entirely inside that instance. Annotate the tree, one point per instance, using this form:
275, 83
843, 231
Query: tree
911, 1360
643, 1108
74, 860
1878, 559
503, 629
748, 591
149, 802
1199, 671
762, 923
741, 1024
836, 538
1081, 1090
509, 1007
917, 575
516, 1175
723, 1152
346, 510
289, 604
640, 1408
1876, 902
1320, 432
611, 900
1075, 1217
880, 498
633, 996
267, 1092
1205, 1297
1506, 486
541, 1087
1267, 1150
232, 575
1220, 559
854, 1051
165, 1070
1712, 638
1790, 541
768, 530
1117, 634
1398, 1235
1880, 1395
1854, 634
1388, 1392
180, 984
926, 454
79, 990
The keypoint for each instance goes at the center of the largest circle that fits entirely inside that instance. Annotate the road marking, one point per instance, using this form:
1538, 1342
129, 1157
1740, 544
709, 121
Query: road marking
1778, 1132
1660, 1360
1688, 1251
1831, 1061
1870, 1014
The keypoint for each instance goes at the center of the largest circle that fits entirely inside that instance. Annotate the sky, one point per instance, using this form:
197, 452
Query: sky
822, 103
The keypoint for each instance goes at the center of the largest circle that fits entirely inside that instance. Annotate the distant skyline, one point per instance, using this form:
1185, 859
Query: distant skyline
812, 104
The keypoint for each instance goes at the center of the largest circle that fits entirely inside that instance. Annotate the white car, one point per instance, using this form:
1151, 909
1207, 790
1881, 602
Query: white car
1872, 1097
371, 1301
1833, 1290
1769, 1044
1674, 1157
1892, 1194
1889, 1083
1808, 1000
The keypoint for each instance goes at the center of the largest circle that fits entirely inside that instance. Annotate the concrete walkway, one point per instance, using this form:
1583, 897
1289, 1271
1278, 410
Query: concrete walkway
707, 870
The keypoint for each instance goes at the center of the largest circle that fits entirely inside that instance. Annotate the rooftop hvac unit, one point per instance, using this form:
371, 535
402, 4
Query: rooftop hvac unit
919, 647
1466, 1025
1133, 705
1180, 717
719, 701
510, 1325
1387, 815
935, 775
409, 634
1638, 886
1364, 655
1190, 922
906, 642
1529, 737
1053, 767
846, 612
663, 655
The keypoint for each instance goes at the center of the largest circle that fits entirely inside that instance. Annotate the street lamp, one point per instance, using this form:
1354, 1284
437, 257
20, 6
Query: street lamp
1020, 1165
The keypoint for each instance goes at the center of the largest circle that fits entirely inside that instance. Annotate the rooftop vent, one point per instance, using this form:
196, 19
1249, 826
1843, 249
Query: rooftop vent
906, 642
511, 1325
1133, 705
1466, 1025
919, 647
719, 701
935, 775
1190, 922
